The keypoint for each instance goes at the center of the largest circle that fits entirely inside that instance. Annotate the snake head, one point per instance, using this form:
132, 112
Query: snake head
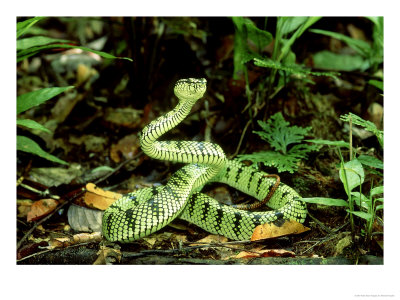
190, 89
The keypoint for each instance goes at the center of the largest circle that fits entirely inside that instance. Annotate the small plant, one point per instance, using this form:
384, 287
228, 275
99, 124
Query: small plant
352, 175
286, 140
27, 47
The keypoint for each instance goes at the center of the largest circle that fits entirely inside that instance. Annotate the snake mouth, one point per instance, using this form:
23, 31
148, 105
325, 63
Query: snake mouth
191, 81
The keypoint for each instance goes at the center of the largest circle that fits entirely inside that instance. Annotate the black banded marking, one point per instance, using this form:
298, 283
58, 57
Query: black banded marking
205, 211
260, 179
250, 179
239, 171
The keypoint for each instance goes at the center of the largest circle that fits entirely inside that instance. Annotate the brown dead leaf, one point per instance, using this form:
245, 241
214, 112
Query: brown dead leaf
41, 208
257, 252
211, 239
270, 230
95, 197
128, 147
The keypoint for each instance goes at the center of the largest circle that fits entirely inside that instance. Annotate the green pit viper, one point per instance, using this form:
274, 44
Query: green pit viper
138, 214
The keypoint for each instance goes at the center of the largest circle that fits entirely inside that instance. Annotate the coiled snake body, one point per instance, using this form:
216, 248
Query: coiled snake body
147, 210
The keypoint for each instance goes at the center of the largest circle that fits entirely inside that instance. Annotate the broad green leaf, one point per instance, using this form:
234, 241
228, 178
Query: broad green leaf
326, 201
328, 60
376, 83
360, 199
330, 143
379, 207
290, 24
360, 46
22, 27
29, 100
354, 174
361, 214
379, 200
32, 124
370, 161
35, 41
34, 50
27, 145
241, 54
377, 190
287, 45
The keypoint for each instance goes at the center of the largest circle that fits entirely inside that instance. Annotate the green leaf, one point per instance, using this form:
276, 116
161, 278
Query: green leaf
279, 134
32, 124
360, 199
330, 143
379, 207
29, 100
354, 175
22, 27
326, 201
242, 54
35, 41
370, 161
377, 190
360, 46
288, 44
27, 145
376, 83
361, 214
290, 24
327, 60
34, 50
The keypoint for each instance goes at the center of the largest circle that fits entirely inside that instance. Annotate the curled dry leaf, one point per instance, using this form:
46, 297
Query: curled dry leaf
270, 230
95, 197
41, 208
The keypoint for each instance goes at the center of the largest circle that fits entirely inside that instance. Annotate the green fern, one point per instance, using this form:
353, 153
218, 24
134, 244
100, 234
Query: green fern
369, 126
278, 133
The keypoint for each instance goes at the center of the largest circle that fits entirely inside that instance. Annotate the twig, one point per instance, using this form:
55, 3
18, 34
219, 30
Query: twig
241, 138
326, 229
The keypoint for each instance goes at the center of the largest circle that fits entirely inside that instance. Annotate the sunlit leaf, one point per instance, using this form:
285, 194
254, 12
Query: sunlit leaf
361, 214
326, 201
29, 100
27, 145
352, 175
